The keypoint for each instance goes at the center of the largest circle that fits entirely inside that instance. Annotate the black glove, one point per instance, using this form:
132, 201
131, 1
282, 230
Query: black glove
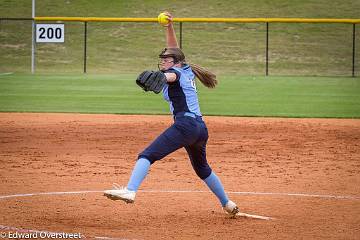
151, 81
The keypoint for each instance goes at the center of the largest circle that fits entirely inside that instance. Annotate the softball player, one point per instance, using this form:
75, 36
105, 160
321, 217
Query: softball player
188, 130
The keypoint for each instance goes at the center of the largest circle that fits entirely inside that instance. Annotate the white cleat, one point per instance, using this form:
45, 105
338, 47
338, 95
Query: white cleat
231, 209
120, 193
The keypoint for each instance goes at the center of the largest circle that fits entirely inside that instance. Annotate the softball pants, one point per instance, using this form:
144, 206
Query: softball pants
188, 131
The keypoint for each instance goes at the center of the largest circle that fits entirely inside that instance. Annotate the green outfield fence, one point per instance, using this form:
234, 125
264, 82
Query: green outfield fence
180, 21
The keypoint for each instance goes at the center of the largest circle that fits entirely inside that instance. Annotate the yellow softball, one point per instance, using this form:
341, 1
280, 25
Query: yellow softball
163, 19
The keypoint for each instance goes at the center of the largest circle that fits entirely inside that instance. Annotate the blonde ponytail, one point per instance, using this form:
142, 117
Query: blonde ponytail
206, 77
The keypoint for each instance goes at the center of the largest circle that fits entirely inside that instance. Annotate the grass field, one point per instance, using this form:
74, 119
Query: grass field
295, 49
235, 95
117, 52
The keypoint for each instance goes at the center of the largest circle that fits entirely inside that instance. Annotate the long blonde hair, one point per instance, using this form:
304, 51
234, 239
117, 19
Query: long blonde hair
205, 76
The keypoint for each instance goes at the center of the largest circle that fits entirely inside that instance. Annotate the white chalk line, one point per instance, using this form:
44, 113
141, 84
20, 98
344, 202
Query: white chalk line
190, 191
261, 193
2, 227
46, 193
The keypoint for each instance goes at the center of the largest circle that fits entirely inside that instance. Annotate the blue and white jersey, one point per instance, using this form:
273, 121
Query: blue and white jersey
182, 94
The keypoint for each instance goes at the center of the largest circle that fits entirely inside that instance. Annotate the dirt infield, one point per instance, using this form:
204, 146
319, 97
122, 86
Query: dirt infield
264, 163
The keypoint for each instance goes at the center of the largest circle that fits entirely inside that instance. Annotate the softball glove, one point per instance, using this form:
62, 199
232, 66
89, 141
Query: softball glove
151, 81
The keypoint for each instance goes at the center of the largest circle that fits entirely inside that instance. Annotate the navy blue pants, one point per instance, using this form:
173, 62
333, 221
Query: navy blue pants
189, 132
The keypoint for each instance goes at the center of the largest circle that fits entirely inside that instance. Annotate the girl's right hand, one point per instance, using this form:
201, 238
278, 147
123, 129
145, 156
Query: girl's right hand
170, 18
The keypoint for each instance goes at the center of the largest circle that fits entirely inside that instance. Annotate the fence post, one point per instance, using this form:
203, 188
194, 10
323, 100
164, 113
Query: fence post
267, 49
353, 51
181, 35
33, 37
33, 45
85, 45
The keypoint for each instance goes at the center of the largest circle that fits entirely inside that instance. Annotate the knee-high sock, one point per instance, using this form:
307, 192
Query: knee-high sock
214, 183
138, 174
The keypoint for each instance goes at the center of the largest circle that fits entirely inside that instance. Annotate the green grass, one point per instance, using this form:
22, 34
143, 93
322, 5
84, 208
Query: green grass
208, 8
117, 52
295, 49
235, 96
